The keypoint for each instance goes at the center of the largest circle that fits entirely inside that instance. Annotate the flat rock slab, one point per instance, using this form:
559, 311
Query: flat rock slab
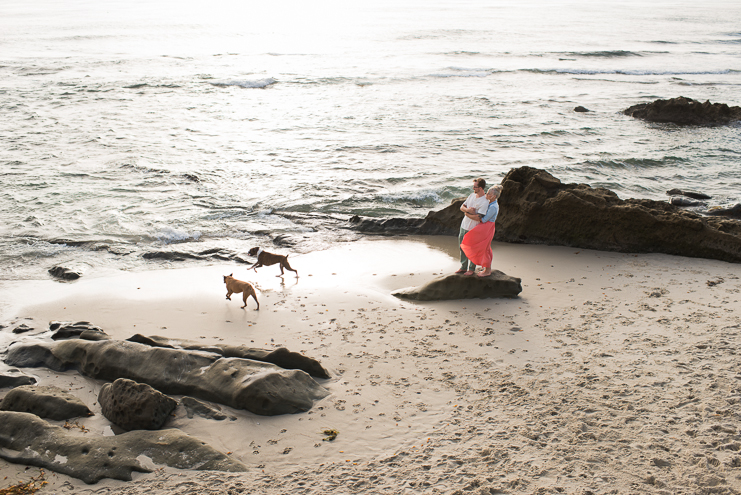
46, 402
457, 286
91, 459
12, 378
258, 387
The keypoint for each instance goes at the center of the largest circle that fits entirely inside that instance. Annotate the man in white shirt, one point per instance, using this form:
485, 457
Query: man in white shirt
474, 207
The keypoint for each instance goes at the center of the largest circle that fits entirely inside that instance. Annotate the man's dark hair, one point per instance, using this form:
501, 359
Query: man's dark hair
480, 183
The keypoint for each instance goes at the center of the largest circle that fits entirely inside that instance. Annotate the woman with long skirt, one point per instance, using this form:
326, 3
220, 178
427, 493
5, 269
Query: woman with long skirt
476, 243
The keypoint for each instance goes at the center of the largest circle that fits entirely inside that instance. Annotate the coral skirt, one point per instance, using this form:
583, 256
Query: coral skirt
477, 244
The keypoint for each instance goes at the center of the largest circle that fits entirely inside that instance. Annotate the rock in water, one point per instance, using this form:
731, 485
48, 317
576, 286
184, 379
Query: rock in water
456, 286
685, 111
91, 459
135, 406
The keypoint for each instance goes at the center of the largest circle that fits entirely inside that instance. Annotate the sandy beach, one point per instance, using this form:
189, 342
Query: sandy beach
611, 373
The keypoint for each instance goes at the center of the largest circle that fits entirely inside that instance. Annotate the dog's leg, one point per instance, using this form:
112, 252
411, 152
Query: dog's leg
244, 299
288, 267
255, 298
229, 295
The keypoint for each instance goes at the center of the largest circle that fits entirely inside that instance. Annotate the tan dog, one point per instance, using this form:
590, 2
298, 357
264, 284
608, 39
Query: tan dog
266, 259
236, 286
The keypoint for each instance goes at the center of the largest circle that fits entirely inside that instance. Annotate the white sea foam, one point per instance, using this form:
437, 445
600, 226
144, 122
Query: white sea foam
259, 83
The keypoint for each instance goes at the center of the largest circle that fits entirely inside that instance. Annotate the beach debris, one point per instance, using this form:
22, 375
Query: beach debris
330, 433
713, 283
28, 488
68, 426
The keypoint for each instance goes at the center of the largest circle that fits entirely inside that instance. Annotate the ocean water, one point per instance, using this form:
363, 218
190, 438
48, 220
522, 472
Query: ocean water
135, 127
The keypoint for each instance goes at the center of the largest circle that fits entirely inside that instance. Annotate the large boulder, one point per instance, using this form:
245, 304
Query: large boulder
685, 111
536, 207
443, 222
280, 357
261, 388
91, 458
455, 286
45, 402
135, 406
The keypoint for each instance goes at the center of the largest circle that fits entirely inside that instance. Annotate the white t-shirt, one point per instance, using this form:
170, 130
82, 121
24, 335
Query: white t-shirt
481, 204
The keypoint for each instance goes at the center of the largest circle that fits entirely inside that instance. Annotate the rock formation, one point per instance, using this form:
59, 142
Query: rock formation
15, 378
91, 459
536, 208
135, 406
64, 273
280, 357
195, 407
455, 286
81, 329
261, 388
685, 111
46, 402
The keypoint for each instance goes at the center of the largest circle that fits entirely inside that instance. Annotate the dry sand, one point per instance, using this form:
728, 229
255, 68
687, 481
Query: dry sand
611, 373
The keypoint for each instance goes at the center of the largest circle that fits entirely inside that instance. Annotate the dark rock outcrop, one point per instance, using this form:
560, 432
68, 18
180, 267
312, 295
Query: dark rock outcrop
435, 223
581, 109
135, 406
22, 328
689, 194
14, 378
91, 459
280, 357
45, 402
261, 388
680, 201
536, 207
732, 212
64, 273
82, 329
455, 286
195, 407
685, 111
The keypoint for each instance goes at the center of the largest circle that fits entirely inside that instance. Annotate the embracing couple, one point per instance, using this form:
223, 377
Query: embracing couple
477, 229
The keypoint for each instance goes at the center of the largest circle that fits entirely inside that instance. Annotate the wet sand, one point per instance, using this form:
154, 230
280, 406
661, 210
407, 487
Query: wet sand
611, 373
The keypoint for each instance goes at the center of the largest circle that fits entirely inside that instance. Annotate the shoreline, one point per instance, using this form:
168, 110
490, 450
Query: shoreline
582, 382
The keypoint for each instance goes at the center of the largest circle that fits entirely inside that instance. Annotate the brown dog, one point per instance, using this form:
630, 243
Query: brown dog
266, 259
236, 286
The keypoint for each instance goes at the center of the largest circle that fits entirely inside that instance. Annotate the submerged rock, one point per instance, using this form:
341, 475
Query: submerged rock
456, 286
64, 273
91, 459
45, 402
732, 212
689, 194
685, 111
258, 387
135, 406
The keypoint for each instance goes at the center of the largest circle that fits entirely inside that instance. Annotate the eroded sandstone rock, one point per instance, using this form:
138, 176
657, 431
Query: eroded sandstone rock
91, 458
261, 388
455, 286
45, 402
280, 357
135, 406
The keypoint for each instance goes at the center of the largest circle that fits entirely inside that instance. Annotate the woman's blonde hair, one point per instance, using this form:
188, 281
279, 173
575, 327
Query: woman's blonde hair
497, 190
